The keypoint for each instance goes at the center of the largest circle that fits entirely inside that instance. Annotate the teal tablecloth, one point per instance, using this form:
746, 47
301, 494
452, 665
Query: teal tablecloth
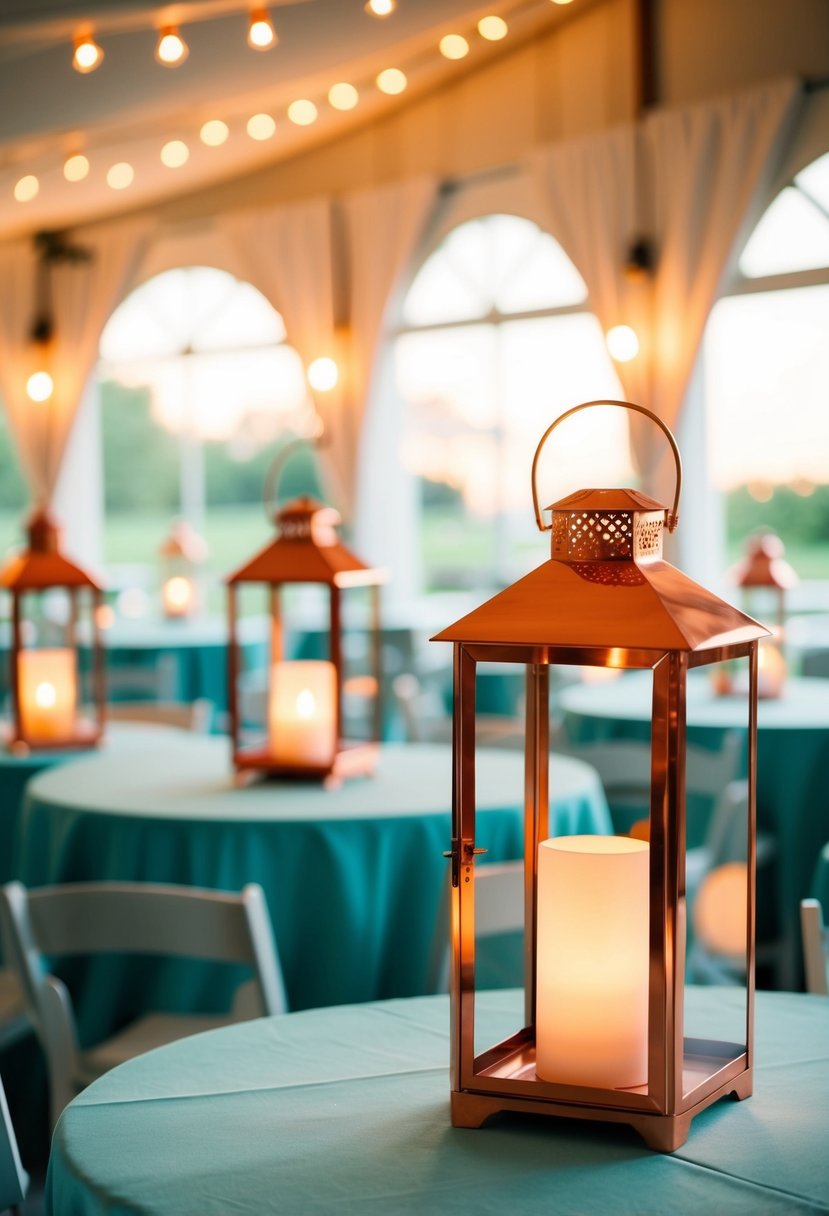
792, 770
353, 876
347, 1110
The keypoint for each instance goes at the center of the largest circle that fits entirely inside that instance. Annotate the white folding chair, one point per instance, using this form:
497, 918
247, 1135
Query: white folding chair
14, 1181
131, 918
499, 909
815, 947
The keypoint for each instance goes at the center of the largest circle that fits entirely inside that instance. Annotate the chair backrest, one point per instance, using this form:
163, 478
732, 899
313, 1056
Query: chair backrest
499, 909
141, 918
196, 717
14, 1180
815, 947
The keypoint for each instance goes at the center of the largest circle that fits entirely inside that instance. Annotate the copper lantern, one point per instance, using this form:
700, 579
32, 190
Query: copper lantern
181, 553
610, 1031
50, 597
302, 701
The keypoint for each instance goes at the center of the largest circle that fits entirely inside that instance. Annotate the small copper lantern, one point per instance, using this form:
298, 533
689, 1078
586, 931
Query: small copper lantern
763, 573
44, 672
304, 698
181, 553
609, 1032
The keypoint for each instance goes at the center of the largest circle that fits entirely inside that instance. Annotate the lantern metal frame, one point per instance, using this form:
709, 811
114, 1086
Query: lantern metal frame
38, 569
306, 550
538, 622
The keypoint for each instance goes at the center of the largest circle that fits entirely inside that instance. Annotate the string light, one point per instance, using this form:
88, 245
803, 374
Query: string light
86, 55
26, 189
453, 46
323, 374
171, 49
40, 386
120, 176
214, 133
261, 126
75, 168
622, 343
391, 81
492, 28
380, 8
174, 154
302, 112
261, 32
343, 96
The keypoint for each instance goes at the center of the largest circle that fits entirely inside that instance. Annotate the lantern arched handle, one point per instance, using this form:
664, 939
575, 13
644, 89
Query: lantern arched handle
270, 489
672, 516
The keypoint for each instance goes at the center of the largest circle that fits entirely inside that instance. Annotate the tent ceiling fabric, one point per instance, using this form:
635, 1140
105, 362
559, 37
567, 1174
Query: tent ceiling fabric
130, 106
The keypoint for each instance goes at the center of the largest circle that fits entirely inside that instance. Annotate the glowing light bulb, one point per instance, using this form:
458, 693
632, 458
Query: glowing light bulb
453, 46
261, 32
174, 154
45, 695
86, 55
214, 133
492, 28
380, 8
26, 189
622, 343
120, 176
391, 81
323, 374
75, 168
343, 96
171, 49
39, 386
302, 112
261, 126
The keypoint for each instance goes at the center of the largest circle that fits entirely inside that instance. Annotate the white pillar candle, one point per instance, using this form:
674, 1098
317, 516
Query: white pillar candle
302, 717
48, 690
177, 596
592, 961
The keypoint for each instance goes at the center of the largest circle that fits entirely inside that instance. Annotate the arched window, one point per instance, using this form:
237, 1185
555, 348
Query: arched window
198, 388
496, 340
766, 366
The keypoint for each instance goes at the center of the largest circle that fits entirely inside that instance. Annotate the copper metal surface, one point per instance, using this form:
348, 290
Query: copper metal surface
631, 611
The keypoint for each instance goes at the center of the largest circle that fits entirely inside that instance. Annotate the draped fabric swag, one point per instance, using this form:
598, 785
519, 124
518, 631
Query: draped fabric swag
84, 293
701, 173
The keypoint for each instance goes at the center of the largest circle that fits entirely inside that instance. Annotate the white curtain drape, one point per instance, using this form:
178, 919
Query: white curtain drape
84, 294
381, 229
700, 172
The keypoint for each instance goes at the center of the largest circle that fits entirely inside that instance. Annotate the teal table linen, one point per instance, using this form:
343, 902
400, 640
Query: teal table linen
347, 1110
792, 771
353, 876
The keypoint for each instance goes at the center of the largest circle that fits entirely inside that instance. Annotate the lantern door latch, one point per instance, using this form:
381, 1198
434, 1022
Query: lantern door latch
462, 852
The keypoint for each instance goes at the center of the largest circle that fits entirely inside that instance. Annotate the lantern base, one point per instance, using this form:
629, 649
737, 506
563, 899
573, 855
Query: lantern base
85, 735
352, 760
662, 1133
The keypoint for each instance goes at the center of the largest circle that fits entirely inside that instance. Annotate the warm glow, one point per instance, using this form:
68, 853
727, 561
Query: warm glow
302, 112
104, 616
175, 154
39, 386
492, 28
343, 96
380, 8
323, 374
599, 675
177, 596
261, 126
26, 189
261, 34
120, 176
391, 81
75, 168
171, 49
592, 961
562, 1
720, 916
48, 691
214, 133
87, 55
302, 714
771, 670
453, 46
622, 343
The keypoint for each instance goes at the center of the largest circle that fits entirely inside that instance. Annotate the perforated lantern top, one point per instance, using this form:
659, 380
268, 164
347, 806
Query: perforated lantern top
307, 549
605, 585
41, 565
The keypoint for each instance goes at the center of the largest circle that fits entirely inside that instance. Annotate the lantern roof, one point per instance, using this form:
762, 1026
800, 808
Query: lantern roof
607, 500
307, 549
630, 605
41, 565
184, 541
764, 564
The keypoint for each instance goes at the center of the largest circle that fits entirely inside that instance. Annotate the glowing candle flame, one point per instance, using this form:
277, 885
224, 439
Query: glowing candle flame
45, 695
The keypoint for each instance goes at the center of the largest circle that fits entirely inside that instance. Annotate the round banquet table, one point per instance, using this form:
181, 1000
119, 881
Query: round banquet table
792, 766
353, 876
347, 1110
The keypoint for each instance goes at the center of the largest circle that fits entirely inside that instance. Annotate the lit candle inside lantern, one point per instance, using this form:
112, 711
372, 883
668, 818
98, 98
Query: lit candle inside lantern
302, 720
48, 692
177, 595
771, 671
592, 961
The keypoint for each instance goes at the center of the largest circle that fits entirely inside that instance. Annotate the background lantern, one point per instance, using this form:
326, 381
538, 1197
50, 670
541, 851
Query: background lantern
609, 1030
300, 730
49, 598
181, 553
764, 577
